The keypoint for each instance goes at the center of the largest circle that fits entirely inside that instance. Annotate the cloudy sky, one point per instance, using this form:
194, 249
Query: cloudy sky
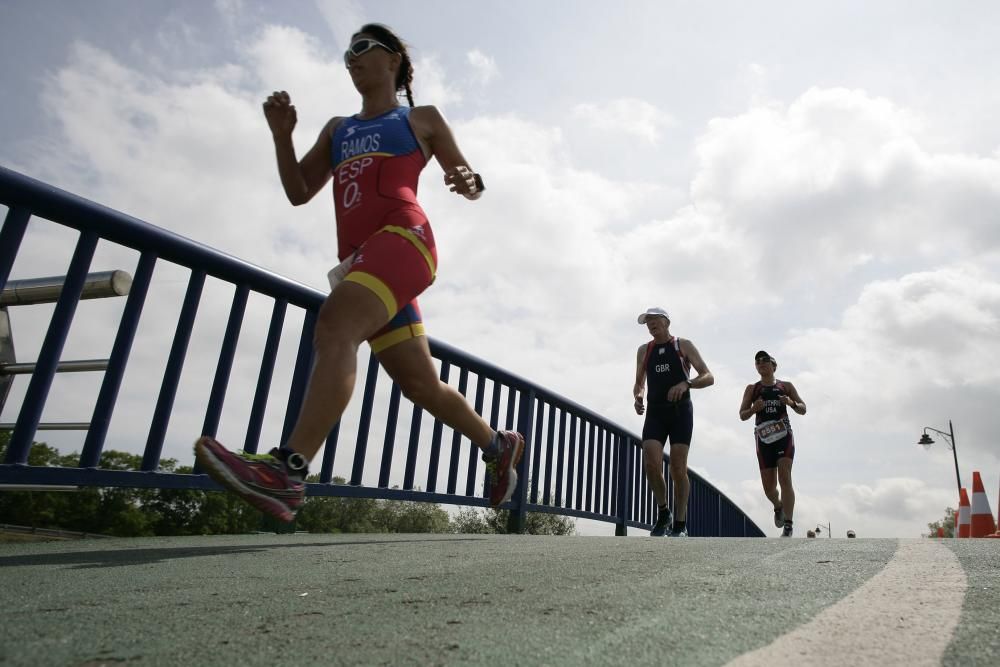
821, 180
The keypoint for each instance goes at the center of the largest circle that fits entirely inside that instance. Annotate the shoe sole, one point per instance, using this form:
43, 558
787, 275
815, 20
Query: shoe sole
512, 474
221, 474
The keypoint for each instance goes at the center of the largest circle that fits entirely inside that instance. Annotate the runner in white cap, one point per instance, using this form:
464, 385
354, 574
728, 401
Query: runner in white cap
666, 362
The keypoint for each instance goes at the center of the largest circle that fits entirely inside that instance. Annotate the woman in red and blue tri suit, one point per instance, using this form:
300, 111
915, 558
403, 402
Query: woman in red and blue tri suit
388, 257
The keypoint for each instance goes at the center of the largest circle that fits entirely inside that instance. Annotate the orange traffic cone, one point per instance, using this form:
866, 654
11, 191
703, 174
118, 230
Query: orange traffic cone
964, 513
982, 523
997, 534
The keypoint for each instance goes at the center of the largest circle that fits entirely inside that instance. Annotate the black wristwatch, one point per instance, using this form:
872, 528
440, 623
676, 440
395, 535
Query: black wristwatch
479, 182
690, 384
297, 463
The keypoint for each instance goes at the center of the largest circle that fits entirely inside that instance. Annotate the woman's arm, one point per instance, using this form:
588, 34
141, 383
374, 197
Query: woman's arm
793, 400
301, 180
438, 141
746, 406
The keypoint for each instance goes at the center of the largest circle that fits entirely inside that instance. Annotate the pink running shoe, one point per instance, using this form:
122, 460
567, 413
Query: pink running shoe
503, 477
261, 480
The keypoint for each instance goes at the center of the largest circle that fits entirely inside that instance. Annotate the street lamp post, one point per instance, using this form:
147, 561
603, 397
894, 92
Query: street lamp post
949, 437
819, 529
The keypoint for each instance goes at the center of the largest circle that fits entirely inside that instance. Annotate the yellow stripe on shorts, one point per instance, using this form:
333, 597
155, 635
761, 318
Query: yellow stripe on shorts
405, 332
417, 243
376, 285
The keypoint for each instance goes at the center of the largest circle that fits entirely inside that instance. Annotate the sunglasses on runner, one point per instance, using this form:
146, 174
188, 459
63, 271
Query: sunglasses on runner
361, 47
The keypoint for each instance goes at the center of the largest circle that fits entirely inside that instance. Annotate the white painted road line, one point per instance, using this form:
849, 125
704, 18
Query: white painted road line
904, 615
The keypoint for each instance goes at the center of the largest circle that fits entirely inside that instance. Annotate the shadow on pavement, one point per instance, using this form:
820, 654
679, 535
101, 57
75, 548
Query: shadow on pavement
127, 556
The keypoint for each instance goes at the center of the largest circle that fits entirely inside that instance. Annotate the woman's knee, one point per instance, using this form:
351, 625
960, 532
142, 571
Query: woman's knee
419, 390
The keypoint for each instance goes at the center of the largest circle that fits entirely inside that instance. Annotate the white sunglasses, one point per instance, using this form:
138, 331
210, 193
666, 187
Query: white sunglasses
362, 46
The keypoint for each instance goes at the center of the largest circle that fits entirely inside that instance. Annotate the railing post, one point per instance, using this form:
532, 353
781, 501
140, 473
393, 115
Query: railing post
718, 515
300, 375
259, 405
107, 397
517, 519
11, 235
48, 356
172, 374
624, 487
364, 421
223, 369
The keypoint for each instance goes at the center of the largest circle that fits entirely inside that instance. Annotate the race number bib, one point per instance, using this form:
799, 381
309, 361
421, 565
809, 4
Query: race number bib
771, 431
339, 272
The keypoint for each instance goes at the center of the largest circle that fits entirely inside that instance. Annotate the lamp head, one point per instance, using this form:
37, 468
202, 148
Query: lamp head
925, 440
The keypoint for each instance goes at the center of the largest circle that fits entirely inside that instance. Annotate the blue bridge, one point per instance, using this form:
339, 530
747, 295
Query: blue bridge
576, 463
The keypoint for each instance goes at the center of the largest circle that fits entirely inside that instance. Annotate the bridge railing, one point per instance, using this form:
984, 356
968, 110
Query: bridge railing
576, 462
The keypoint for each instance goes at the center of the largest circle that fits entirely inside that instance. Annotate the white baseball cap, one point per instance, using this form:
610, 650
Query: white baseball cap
653, 312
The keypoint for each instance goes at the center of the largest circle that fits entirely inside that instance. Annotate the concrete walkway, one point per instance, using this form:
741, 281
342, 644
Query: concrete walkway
492, 600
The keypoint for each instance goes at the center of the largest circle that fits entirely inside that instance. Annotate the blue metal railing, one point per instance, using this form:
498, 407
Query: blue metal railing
576, 463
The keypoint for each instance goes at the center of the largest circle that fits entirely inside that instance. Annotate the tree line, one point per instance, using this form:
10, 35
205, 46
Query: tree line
947, 524
132, 512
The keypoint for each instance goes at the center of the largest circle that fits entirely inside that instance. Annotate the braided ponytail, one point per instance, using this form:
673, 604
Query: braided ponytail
404, 77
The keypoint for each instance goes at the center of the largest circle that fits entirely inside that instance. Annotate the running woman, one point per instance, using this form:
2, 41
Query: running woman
666, 361
770, 399
386, 247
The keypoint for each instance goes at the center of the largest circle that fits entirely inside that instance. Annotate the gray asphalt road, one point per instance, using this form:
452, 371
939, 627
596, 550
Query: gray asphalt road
455, 600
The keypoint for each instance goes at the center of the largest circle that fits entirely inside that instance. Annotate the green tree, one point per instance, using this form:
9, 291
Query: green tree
331, 514
413, 517
133, 512
123, 511
38, 509
948, 523
494, 521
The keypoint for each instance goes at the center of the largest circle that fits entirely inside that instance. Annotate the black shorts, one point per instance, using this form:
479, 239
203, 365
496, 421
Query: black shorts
674, 421
768, 454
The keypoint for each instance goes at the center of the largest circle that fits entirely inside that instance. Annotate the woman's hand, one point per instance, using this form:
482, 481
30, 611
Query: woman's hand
462, 181
280, 113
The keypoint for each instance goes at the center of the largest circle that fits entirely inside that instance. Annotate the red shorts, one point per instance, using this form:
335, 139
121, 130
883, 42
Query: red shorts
397, 263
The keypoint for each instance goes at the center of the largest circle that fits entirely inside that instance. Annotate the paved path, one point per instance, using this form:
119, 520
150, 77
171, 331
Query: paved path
469, 599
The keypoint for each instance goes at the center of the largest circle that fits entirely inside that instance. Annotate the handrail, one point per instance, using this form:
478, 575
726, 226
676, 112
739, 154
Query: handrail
592, 466
32, 291
50, 426
47, 201
75, 366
